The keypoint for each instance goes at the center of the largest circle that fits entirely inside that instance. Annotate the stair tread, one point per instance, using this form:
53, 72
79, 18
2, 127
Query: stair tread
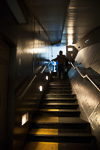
59, 98
61, 94
54, 132
72, 120
60, 101
58, 90
48, 103
56, 128
55, 145
60, 110
53, 82
67, 84
60, 86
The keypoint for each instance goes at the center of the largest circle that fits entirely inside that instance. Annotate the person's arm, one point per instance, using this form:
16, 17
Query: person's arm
55, 59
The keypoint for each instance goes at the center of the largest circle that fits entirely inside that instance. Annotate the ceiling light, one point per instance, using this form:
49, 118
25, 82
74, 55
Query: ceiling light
70, 49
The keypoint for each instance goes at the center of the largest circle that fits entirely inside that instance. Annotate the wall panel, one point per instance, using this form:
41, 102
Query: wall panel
90, 57
88, 98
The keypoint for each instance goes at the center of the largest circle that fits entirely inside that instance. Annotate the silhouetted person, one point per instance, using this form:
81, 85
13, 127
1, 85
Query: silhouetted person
62, 59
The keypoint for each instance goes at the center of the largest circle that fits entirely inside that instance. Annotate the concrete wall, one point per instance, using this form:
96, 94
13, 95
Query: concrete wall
89, 50
88, 98
90, 57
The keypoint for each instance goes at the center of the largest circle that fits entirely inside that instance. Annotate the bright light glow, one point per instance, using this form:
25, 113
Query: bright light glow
54, 66
47, 78
70, 40
56, 49
30, 51
70, 49
50, 72
24, 119
70, 31
38, 50
41, 88
35, 51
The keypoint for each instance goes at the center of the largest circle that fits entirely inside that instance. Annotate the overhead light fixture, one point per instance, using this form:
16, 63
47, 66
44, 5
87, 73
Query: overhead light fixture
70, 39
70, 49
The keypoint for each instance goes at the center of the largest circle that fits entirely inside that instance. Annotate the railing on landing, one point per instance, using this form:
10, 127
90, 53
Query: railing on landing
85, 76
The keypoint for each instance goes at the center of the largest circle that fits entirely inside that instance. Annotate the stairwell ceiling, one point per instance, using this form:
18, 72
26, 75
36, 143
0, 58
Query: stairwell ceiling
51, 14
64, 21
83, 16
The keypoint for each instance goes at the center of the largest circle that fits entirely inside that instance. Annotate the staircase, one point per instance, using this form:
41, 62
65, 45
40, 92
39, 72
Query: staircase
57, 125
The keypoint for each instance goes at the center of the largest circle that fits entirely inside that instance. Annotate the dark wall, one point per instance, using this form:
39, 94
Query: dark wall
30, 40
31, 49
4, 67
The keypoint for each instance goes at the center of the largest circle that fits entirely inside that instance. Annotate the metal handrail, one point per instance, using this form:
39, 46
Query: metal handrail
85, 76
45, 68
25, 90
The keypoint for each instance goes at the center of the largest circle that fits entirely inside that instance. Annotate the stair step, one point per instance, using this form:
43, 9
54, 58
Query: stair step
52, 135
61, 99
57, 124
60, 105
59, 91
60, 88
59, 146
60, 95
59, 113
60, 123
59, 84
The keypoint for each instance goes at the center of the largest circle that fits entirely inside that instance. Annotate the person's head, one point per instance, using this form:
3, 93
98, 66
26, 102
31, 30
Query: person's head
60, 52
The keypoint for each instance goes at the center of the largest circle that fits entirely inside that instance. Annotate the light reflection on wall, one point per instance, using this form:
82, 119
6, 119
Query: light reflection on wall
70, 40
70, 32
